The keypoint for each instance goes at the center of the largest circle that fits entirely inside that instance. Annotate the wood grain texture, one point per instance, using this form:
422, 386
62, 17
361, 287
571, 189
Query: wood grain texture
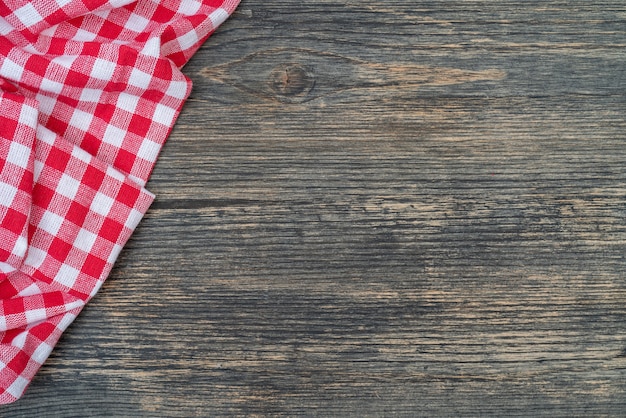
375, 208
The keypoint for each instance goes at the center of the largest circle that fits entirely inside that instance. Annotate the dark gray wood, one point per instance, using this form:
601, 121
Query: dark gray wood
375, 208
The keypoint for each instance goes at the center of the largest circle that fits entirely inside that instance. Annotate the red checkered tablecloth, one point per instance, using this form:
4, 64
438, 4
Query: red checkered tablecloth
89, 91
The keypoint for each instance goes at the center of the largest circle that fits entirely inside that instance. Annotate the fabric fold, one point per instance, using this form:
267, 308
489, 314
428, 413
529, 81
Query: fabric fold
18, 125
89, 92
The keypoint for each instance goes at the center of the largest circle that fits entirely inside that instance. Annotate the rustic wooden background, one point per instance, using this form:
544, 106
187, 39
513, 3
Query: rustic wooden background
375, 208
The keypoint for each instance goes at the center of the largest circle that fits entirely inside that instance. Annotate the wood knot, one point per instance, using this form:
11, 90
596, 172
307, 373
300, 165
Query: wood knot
290, 81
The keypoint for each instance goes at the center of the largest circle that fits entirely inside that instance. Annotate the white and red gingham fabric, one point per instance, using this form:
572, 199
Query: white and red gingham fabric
89, 91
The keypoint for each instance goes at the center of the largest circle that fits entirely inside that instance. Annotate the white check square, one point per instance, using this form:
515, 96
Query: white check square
28, 15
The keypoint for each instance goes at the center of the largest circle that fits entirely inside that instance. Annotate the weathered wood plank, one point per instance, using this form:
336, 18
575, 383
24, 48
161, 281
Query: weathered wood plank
375, 208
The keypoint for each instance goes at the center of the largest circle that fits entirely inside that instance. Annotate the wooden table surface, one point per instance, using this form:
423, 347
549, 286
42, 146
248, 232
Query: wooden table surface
375, 208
